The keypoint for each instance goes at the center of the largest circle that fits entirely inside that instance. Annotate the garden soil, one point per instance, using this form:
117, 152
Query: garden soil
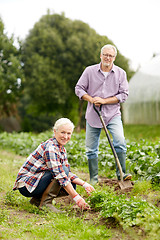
89, 215
93, 217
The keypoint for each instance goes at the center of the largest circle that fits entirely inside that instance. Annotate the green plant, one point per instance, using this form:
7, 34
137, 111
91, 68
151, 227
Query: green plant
21, 220
3, 215
13, 198
142, 187
143, 157
133, 211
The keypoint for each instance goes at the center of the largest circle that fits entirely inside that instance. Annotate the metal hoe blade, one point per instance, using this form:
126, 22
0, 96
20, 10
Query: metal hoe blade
125, 185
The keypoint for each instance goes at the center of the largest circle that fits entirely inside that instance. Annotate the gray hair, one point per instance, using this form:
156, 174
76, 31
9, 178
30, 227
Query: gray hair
109, 46
61, 122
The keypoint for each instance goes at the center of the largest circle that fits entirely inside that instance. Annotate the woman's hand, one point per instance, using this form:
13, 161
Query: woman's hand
89, 188
81, 202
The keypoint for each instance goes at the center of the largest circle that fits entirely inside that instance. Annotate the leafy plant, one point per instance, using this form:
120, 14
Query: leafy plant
127, 210
143, 157
133, 211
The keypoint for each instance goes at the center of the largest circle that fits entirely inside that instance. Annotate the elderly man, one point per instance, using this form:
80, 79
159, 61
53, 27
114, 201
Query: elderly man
104, 84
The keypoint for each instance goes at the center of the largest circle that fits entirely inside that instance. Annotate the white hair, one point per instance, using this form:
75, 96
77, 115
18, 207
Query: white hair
109, 46
61, 122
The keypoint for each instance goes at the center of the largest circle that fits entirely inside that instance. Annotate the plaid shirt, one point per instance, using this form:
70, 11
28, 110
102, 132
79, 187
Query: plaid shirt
48, 156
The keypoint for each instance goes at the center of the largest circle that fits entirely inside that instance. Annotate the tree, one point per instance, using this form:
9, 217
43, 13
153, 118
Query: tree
11, 75
55, 53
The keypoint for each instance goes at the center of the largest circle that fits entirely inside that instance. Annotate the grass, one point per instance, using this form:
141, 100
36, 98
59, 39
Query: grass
20, 220
137, 132
49, 227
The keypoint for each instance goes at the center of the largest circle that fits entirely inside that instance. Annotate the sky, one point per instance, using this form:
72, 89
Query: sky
132, 25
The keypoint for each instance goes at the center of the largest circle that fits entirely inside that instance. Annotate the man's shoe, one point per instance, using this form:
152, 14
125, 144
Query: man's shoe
125, 177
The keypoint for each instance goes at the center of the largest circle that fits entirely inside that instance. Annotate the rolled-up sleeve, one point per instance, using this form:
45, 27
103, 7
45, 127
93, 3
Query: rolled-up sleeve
81, 86
123, 87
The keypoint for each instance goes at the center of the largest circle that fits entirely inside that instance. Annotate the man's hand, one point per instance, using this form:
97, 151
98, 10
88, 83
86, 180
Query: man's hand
98, 101
81, 202
88, 188
110, 100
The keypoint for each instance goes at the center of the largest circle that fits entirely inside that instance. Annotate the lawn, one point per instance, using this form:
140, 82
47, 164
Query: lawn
114, 214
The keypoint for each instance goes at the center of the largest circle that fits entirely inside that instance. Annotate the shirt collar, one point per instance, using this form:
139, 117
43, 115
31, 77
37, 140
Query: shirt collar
112, 69
61, 148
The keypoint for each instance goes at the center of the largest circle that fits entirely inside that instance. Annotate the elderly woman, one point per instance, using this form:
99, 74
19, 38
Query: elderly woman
46, 171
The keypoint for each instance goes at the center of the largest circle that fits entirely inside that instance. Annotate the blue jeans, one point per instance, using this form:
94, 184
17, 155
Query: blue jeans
115, 127
42, 185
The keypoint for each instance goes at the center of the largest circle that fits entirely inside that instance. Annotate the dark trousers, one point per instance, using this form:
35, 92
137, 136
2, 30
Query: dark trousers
42, 185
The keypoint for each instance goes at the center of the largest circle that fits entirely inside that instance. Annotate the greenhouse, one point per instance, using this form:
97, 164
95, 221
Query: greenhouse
143, 103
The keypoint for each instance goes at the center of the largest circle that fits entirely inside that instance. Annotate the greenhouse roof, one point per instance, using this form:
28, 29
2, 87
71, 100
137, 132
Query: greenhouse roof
152, 67
145, 84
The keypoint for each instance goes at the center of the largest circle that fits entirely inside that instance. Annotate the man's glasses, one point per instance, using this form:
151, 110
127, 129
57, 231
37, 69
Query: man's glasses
108, 55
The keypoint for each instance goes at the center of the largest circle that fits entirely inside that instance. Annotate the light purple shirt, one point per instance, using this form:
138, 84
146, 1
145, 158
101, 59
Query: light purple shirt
94, 83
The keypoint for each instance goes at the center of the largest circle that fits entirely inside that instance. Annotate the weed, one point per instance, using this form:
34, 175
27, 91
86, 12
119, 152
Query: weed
133, 211
142, 187
3, 215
